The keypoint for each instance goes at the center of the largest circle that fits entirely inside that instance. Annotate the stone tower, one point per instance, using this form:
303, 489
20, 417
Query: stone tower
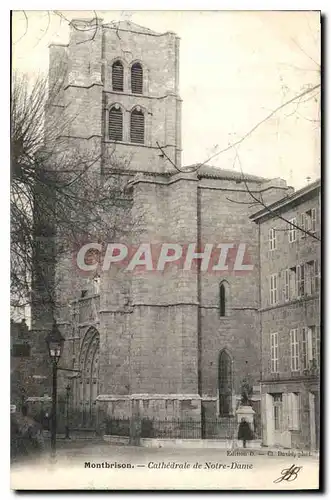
116, 90
121, 95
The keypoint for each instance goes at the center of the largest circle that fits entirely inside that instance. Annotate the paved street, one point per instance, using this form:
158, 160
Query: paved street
92, 465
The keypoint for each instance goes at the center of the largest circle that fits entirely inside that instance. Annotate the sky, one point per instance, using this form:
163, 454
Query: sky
235, 68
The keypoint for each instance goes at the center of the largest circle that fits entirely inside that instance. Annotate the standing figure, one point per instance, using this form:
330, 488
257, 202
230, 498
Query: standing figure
244, 432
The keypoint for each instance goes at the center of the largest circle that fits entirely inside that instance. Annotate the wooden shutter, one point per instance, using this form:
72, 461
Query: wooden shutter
115, 124
117, 76
137, 79
137, 126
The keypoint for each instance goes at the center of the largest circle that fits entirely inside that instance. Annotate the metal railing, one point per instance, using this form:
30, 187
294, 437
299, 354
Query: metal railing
91, 418
217, 428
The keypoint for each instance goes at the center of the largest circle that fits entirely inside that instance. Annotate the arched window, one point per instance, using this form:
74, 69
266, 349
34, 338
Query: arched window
224, 299
115, 123
136, 78
137, 126
225, 383
117, 76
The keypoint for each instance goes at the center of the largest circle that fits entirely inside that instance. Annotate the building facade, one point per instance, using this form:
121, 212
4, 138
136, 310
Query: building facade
176, 343
290, 318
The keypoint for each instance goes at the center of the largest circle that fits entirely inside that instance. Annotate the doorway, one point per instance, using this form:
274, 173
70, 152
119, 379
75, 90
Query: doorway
277, 413
89, 380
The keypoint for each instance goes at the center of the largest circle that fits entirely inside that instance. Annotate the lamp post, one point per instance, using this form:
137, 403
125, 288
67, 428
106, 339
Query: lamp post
54, 341
67, 408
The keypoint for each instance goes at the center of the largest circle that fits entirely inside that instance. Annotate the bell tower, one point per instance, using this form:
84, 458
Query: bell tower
122, 93
141, 101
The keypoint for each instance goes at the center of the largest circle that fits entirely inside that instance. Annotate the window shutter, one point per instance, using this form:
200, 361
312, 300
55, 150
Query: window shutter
309, 344
137, 126
292, 230
298, 280
316, 275
117, 76
137, 79
313, 220
303, 225
302, 280
115, 124
293, 411
289, 410
286, 289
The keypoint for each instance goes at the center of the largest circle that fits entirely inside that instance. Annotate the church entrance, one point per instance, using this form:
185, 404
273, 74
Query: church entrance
89, 379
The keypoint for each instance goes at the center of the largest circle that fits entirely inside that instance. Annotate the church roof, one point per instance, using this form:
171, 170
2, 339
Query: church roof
220, 173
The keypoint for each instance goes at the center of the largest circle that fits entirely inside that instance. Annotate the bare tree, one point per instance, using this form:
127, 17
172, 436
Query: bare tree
307, 93
59, 196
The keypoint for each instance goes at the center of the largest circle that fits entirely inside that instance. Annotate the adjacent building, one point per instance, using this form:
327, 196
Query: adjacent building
289, 249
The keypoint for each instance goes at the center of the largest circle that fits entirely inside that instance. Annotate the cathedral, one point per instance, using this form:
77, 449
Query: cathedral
177, 343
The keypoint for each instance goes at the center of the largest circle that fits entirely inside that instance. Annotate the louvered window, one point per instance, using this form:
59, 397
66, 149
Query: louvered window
116, 124
137, 126
137, 79
117, 76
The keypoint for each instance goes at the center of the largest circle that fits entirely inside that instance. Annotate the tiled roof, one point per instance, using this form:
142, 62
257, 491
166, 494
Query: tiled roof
221, 173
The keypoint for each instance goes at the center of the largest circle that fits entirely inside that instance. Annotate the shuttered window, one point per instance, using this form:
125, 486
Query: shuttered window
274, 352
136, 79
117, 76
115, 124
137, 129
272, 239
294, 350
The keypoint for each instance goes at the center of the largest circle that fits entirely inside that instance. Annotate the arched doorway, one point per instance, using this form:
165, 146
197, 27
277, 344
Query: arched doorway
225, 383
89, 377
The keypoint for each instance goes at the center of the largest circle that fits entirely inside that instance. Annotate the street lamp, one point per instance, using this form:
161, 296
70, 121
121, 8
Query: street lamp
54, 341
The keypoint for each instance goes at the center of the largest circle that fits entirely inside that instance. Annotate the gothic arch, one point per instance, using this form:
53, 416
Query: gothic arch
139, 107
225, 382
138, 61
89, 374
117, 105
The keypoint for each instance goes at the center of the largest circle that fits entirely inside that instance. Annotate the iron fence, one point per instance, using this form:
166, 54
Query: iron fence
217, 428
170, 428
91, 418
117, 426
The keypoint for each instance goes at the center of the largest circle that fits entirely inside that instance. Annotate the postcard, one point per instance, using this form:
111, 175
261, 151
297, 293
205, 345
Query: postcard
165, 250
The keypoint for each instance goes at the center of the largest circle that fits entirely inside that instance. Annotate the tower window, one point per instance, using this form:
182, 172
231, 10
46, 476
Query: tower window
117, 76
115, 124
137, 131
136, 79
224, 295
